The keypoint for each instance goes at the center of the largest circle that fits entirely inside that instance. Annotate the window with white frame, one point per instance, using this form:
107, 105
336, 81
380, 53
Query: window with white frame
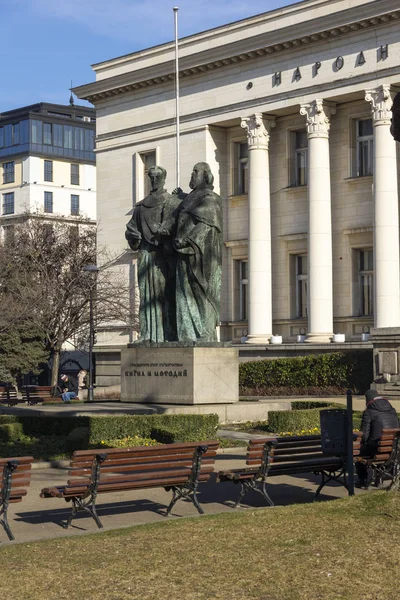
74, 174
8, 204
301, 271
74, 204
148, 160
48, 170
48, 202
8, 172
366, 281
241, 168
300, 143
364, 147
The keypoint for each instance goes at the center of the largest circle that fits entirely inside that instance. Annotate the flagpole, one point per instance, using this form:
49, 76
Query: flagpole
175, 9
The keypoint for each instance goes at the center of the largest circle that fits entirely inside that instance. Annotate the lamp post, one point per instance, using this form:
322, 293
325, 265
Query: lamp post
94, 269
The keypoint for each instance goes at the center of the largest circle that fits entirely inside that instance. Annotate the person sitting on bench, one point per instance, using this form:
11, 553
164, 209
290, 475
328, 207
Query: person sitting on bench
69, 387
379, 414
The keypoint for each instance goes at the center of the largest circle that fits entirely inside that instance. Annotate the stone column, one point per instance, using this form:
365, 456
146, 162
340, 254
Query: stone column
260, 279
320, 302
386, 212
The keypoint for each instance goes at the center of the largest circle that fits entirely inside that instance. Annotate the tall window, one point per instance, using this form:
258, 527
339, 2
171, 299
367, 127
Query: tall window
241, 183
48, 202
366, 281
301, 286
300, 157
8, 204
74, 204
243, 290
149, 160
8, 172
364, 147
47, 134
74, 174
48, 170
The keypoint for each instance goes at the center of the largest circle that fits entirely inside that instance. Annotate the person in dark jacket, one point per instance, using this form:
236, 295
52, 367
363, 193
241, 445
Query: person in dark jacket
379, 414
69, 387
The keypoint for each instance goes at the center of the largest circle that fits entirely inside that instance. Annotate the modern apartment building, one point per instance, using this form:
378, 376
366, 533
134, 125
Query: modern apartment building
291, 109
47, 162
47, 167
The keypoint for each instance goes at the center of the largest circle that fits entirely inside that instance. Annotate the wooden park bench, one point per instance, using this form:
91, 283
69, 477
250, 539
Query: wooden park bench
33, 394
8, 395
15, 479
386, 461
176, 467
286, 456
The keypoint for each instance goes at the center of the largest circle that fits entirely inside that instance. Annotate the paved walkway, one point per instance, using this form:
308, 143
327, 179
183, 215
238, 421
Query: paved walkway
35, 518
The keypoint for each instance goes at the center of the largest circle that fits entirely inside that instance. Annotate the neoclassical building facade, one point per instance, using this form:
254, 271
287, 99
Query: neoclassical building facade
291, 109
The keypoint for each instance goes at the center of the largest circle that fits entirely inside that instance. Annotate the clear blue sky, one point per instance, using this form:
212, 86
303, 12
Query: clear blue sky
48, 43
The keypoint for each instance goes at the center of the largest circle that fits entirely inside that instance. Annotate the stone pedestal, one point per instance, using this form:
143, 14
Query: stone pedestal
386, 352
179, 375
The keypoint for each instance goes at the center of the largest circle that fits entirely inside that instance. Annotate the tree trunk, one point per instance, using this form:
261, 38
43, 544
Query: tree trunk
55, 366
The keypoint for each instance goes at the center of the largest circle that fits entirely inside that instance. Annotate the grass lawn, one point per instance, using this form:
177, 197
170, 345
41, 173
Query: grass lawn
345, 549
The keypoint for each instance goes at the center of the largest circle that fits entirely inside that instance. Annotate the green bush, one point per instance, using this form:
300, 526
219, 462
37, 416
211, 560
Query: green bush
192, 427
296, 420
166, 436
77, 439
304, 405
10, 432
331, 373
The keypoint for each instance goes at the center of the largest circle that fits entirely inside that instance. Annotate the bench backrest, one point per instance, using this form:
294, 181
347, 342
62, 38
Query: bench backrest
15, 477
290, 449
8, 395
144, 464
38, 393
388, 445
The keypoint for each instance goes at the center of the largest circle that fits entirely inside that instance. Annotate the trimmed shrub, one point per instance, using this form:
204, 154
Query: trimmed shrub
297, 420
331, 373
305, 405
192, 427
128, 442
77, 439
166, 436
10, 432
293, 420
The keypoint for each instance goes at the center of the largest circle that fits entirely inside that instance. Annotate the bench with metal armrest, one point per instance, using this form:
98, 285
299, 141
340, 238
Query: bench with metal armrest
15, 478
386, 460
33, 394
286, 456
176, 467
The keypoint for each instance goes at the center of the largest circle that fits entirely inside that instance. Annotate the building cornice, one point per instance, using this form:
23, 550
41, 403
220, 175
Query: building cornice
160, 74
263, 104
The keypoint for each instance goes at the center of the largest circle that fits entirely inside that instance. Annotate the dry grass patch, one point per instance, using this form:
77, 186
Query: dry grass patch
347, 549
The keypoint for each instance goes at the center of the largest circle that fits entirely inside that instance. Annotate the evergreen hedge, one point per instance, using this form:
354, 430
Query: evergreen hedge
320, 374
78, 433
296, 420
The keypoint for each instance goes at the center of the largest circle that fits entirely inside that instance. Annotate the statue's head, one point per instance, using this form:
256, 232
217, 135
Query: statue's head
201, 176
157, 177
395, 126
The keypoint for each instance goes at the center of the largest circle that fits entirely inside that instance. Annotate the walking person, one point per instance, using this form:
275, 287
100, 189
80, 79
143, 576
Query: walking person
379, 414
69, 387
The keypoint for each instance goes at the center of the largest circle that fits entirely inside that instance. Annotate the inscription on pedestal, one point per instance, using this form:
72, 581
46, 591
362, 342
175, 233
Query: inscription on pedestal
388, 362
185, 375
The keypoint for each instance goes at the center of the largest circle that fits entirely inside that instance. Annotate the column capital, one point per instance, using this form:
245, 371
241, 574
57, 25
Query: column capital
381, 100
318, 115
258, 130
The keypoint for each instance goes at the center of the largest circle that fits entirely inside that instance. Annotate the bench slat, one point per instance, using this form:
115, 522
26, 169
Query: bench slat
143, 460
147, 450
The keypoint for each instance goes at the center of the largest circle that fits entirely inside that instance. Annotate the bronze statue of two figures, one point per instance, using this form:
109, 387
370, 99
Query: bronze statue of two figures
178, 237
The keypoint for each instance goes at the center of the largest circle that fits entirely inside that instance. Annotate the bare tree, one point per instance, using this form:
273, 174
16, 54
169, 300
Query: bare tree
42, 275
